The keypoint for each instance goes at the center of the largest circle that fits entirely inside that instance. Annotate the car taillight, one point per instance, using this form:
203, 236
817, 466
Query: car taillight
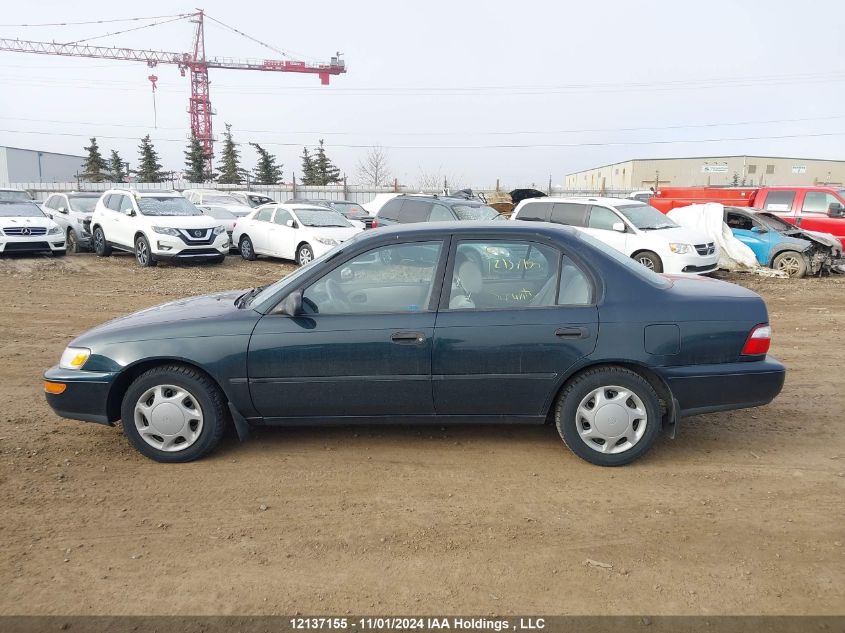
375, 223
758, 340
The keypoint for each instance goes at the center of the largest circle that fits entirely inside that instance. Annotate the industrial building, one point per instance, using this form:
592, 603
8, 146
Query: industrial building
711, 170
19, 166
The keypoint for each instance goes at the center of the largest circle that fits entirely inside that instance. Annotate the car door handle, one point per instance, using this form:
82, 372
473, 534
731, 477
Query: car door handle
572, 332
408, 338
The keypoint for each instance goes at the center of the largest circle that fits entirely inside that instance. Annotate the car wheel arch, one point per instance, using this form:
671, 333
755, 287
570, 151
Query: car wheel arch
668, 412
129, 373
783, 248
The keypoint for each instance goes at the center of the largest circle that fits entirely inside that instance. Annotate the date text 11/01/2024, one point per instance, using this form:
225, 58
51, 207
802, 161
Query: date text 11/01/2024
417, 623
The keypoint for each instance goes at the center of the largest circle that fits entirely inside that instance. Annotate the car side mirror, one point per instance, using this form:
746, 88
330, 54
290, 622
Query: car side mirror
291, 305
292, 224
836, 210
61, 209
619, 227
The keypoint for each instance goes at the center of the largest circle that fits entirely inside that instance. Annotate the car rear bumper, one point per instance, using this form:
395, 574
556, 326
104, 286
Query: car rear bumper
724, 386
85, 396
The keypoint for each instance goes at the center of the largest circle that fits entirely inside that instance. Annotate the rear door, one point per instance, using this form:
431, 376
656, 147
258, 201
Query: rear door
505, 333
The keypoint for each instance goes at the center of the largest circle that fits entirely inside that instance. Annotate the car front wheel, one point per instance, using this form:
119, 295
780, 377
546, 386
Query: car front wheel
792, 263
143, 254
304, 255
101, 247
650, 260
173, 414
608, 416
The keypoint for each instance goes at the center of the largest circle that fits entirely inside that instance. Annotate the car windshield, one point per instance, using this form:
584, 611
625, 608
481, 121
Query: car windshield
15, 196
349, 209
321, 217
476, 212
84, 204
10, 209
645, 217
166, 205
630, 264
219, 213
257, 201
220, 198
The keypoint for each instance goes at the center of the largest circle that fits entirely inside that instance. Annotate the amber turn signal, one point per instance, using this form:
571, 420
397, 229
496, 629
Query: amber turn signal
54, 387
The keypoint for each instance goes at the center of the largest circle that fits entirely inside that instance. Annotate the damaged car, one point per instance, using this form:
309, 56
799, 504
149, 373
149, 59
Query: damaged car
782, 246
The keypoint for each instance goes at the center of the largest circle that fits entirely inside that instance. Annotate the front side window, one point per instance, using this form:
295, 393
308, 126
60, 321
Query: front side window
264, 215
441, 213
282, 217
390, 279
52, 202
125, 204
738, 221
779, 200
82, 204
645, 217
496, 274
602, 218
818, 202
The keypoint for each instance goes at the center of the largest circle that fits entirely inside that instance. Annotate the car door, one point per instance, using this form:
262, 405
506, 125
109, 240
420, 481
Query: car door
113, 220
125, 224
362, 347
750, 233
282, 236
505, 334
259, 230
600, 223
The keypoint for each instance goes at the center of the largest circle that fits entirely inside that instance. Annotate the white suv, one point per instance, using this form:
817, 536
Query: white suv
156, 226
634, 228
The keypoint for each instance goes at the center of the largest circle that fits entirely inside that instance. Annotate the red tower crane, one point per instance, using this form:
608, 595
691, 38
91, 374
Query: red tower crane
195, 63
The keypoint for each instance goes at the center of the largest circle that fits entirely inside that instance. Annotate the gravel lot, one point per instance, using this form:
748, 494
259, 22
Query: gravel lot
743, 513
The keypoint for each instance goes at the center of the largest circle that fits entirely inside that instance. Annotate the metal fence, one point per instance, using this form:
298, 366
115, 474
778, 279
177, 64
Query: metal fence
280, 193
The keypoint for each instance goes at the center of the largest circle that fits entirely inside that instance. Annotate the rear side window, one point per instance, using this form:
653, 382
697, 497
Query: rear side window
779, 200
569, 213
535, 211
415, 211
390, 210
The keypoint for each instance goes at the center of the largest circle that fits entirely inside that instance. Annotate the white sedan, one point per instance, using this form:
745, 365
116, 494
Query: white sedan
291, 231
25, 229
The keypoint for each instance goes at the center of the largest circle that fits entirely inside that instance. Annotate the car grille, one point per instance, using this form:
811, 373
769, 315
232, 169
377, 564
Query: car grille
25, 230
26, 246
699, 269
197, 236
705, 249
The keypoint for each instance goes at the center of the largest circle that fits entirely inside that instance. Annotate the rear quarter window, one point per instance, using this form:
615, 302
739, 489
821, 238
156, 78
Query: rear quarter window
415, 211
569, 213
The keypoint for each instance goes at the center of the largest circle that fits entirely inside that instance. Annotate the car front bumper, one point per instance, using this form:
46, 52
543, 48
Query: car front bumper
32, 244
690, 263
166, 248
724, 386
85, 396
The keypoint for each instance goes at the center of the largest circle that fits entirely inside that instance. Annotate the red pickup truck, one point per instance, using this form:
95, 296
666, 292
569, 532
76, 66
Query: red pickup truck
819, 209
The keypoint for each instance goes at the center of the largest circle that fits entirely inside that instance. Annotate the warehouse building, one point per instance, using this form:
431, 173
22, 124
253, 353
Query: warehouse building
19, 166
714, 170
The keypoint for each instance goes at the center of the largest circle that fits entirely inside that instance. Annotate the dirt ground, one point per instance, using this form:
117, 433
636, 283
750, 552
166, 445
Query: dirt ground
742, 513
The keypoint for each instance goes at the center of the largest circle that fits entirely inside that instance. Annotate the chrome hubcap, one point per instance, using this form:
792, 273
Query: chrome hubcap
141, 251
98, 238
611, 419
790, 265
304, 256
645, 261
246, 248
168, 418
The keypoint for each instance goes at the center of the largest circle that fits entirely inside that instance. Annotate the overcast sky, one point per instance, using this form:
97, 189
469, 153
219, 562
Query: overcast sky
445, 85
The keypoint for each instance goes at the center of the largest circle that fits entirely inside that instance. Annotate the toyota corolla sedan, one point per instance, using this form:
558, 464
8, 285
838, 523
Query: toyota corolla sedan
559, 329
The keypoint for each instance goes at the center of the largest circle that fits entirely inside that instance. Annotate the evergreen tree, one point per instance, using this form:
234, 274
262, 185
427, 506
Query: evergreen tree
308, 176
94, 167
266, 171
149, 169
196, 167
117, 168
325, 172
230, 170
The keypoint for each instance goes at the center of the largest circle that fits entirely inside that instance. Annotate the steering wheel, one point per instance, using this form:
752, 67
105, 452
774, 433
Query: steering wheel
337, 296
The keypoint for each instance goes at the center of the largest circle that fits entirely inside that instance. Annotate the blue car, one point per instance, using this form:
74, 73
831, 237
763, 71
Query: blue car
403, 324
779, 245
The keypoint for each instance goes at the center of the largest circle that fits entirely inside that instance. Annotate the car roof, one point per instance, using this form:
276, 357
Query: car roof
81, 194
585, 200
526, 229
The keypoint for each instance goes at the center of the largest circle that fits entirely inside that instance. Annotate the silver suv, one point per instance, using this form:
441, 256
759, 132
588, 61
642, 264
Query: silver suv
72, 212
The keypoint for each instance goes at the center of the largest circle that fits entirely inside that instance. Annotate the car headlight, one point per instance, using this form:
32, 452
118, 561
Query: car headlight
166, 230
328, 241
74, 357
54, 231
219, 229
679, 249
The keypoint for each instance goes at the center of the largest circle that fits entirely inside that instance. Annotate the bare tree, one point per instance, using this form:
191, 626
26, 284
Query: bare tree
375, 168
431, 181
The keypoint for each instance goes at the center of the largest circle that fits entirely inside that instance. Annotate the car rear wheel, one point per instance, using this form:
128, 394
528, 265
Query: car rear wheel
173, 414
792, 263
246, 248
608, 416
304, 255
143, 254
101, 247
650, 260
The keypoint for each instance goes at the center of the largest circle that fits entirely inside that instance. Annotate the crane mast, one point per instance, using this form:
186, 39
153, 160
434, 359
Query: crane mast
195, 64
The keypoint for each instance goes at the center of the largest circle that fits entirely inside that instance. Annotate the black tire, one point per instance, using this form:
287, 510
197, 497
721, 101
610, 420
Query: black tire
247, 249
143, 254
792, 263
208, 396
101, 247
72, 242
304, 255
568, 423
650, 260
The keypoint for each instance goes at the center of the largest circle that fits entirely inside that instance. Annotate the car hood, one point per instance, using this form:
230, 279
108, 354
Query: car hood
183, 221
191, 317
44, 222
339, 233
679, 234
